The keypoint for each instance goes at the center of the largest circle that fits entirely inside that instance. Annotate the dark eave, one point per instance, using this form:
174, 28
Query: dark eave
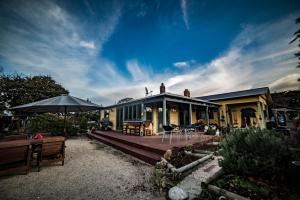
237, 94
168, 97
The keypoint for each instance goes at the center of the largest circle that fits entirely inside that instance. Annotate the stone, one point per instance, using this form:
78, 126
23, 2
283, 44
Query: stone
168, 154
176, 193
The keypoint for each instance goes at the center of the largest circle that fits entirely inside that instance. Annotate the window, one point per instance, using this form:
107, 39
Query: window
134, 112
126, 112
139, 112
130, 113
149, 114
106, 113
211, 114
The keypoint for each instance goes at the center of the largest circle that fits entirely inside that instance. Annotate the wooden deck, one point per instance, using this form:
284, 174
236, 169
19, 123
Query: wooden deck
147, 148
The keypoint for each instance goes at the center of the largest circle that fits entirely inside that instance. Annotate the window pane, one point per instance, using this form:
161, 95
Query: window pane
211, 114
130, 113
149, 114
139, 112
134, 112
126, 113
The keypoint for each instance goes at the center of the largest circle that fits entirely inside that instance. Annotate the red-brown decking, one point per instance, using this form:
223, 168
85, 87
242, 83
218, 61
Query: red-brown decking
147, 148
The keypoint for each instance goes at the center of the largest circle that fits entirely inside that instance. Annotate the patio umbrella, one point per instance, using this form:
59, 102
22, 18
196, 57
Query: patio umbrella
58, 104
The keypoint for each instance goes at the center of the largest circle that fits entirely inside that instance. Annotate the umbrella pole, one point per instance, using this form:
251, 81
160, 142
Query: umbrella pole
65, 120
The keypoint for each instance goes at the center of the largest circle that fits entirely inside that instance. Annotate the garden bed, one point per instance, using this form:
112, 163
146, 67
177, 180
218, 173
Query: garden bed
179, 158
252, 188
175, 165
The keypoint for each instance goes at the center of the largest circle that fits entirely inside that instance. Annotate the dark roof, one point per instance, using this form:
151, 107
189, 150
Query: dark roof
237, 94
166, 94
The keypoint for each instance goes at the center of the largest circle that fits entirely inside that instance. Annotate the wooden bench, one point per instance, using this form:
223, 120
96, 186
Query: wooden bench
15, 156
53, 147
14, 137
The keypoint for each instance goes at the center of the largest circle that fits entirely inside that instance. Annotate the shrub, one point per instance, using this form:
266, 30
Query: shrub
51, 123
188, 147
255, 152
83, 124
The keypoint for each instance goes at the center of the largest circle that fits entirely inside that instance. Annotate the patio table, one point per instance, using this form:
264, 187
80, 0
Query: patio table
134, 127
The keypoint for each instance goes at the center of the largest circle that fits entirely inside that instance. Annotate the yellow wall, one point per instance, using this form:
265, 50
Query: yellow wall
174, 117
194, 119
113, 117
247, 102
102, 114
154, 120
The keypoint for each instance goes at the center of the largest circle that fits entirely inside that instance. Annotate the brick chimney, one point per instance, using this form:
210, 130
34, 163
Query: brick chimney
162, 88
187, 93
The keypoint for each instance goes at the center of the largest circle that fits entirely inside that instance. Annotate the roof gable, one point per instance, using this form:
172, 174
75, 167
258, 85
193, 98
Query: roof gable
237, 94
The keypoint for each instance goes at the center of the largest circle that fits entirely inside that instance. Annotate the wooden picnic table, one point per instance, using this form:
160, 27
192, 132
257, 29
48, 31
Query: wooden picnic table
140, 128
134, 127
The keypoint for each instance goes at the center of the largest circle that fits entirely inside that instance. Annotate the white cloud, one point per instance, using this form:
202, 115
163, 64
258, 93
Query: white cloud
184, 64
87, 44
289, 82
184, 11
137, 71
52, 45
259, 56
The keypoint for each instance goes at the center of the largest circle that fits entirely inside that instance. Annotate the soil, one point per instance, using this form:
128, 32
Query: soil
252, 188
179, 158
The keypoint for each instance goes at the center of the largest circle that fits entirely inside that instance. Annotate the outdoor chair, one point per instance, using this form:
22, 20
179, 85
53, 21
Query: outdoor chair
147, 130
188, 131
53, 148
168, 130
205, 128
14, 156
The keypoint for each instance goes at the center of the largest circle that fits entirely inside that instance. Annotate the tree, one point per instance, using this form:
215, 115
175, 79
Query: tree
18, 89
297, 38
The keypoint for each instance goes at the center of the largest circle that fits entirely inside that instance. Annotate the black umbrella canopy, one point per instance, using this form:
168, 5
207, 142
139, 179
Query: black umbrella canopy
59, 104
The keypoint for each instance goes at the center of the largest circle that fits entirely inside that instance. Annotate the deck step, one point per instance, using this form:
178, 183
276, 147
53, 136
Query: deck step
145, 155
134, 144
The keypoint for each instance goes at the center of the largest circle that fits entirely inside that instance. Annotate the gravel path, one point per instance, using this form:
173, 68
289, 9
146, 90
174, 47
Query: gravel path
92, 170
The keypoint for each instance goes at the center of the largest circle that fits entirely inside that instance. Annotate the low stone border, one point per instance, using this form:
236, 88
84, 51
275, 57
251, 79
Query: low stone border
167, 175
190, 186
188, 166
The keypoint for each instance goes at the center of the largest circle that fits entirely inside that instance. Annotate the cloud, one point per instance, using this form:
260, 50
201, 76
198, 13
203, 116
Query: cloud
87, 44
137, 71
289, 82
184, 64
47, 39
183, 5
259, 56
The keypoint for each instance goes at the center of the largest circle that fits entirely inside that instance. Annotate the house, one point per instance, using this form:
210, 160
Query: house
162, 109
235, 109
244, 108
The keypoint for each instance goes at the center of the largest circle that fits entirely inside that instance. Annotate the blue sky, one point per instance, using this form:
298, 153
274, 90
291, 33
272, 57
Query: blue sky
108, 50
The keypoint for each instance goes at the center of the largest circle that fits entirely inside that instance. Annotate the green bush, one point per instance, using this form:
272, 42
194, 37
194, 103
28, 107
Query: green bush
255, 152
51, 123
188, 147
83, 124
